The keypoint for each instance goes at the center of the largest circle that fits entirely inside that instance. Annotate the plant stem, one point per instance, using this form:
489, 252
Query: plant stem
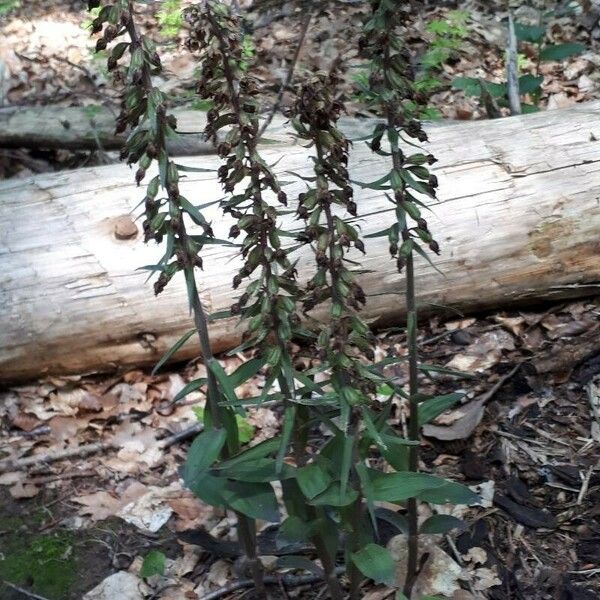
413, 388
245, 525
201, 323
328, 562
413, 434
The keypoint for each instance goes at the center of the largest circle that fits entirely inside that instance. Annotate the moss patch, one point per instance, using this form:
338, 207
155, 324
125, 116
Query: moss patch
45, 564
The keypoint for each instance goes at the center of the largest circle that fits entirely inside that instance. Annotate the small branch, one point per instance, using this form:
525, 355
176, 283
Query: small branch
585, 485
290, 75
50, 457
60, 477
512, 75
23, 591
286, 580
87, 449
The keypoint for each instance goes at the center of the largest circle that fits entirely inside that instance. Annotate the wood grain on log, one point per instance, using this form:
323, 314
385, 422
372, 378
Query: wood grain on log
518, 220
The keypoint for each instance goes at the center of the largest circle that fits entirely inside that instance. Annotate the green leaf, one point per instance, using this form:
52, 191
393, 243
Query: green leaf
365, 482
299, 562
433, 407
376, 563
529, 33
441, 524
257, 471
450, 493
346, 462
246, 371
255, 500
203, 453
396, 487
379, 184
289, 418
530, 83
154, 564
252, 454
245, 429
560, 51
292, 531
400, 522
469, 85
173, 349
224, 380
335, 496
313, 480
209, 489
194, 169
497, 90
192, 386
382, 233
218, 315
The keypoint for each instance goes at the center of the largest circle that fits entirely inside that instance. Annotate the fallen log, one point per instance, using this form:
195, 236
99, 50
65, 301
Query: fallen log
518, 221
89, 128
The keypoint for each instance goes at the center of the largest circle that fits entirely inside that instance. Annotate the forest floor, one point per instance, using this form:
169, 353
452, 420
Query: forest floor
526, 436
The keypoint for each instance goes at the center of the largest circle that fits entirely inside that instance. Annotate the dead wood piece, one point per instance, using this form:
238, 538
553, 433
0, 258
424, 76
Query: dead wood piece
88, 128
563, 358
517, 222
526, 515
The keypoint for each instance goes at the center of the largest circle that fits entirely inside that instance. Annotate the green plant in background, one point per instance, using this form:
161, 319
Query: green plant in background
245, 428
447, 36
169, 18
7, 5
530, 84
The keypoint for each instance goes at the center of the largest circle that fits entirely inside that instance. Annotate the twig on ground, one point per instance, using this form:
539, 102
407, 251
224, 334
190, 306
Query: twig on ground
586, 572
288, 581
487, 396
290, 74
60, 477
23, 591
79, 451
186, 434
585, 485
87, 449
594, 400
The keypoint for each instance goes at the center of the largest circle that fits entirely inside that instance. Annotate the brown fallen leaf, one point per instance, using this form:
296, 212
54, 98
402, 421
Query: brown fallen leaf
101, 505
560, 100
467, 419
438, 576
189, 513
23, 490
25, 422
483, 353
